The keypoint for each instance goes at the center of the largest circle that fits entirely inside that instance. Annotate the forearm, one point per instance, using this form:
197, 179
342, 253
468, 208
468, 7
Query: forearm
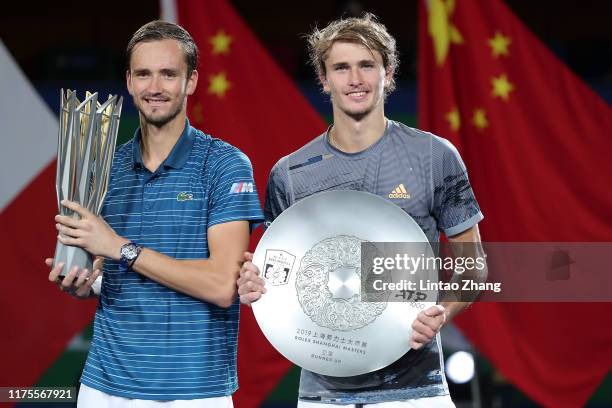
453, 308
210, 280
213, 279
468, 246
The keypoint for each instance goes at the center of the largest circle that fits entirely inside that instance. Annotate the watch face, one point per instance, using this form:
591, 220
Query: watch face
129, 251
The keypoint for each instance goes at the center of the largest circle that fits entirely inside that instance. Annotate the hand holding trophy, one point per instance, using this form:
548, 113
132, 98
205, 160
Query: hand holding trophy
86, 144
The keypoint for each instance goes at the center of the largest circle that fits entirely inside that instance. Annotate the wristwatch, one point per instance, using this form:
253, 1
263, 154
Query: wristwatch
129, 253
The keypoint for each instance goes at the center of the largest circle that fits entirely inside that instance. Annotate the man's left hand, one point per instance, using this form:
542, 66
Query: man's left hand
91, 232
426, 325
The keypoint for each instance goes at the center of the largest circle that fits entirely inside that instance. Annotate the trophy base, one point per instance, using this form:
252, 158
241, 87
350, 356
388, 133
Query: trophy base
72, 256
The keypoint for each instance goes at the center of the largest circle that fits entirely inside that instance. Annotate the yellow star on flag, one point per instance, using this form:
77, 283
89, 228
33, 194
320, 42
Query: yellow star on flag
440, 28
499, 44
221, 43
454, 119
479, 119
501, 86
218, 84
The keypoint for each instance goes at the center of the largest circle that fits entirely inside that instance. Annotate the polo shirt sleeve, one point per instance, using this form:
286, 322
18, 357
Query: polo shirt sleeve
233, 195
276, 194
454, 205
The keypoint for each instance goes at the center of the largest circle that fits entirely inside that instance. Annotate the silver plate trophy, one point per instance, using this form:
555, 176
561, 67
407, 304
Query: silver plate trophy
85, 148
310, 258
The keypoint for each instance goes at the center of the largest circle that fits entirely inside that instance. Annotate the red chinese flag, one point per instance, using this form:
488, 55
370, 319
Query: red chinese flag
244, 98
536, 141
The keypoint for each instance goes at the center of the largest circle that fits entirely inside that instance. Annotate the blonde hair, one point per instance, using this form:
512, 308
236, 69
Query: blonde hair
366, 31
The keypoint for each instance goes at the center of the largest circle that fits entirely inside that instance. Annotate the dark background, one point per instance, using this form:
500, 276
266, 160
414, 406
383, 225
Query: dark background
81, 40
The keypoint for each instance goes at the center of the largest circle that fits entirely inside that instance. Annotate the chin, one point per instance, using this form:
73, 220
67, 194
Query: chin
158, 119
358, 113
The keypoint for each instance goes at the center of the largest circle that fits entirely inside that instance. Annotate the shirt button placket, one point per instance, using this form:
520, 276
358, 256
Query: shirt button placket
147, 196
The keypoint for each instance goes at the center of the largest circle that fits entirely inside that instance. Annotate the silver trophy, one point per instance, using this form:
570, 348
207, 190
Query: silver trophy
314, 311
85, 148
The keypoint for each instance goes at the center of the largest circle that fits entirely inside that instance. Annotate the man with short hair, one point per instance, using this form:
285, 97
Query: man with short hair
355, 60
173, 231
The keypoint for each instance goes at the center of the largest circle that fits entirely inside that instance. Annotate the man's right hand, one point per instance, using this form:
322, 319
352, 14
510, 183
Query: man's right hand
76, 283
250, 285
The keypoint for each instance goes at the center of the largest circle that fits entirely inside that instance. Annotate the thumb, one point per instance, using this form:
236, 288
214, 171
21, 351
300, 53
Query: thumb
435, 310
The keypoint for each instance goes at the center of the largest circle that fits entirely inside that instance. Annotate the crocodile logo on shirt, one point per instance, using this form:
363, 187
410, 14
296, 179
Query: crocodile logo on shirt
184, 196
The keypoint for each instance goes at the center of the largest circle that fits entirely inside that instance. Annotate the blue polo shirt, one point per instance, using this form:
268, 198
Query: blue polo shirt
151, 342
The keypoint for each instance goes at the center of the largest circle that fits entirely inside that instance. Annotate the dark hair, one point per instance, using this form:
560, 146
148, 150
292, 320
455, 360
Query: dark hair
162, 30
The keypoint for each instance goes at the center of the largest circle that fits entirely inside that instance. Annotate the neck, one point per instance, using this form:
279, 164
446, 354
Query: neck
352, 135
157, 142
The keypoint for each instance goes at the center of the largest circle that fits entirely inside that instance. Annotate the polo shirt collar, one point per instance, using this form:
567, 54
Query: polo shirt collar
178, 155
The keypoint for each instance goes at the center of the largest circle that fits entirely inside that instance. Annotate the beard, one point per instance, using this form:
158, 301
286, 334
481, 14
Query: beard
358, 114
161, 121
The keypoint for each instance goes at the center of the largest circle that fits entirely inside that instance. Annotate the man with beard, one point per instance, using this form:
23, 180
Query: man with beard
174, 226
355, 60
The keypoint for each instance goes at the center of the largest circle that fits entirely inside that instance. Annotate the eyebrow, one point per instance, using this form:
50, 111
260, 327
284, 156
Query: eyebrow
360, 62
163, 71
340, 65
170, 71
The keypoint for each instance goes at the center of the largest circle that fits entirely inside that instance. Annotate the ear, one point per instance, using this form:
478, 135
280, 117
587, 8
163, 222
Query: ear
388, 76
128, 81
323, 80
192, 82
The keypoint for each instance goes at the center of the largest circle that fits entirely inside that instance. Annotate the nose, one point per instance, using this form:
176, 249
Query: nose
154, 84
355, 77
